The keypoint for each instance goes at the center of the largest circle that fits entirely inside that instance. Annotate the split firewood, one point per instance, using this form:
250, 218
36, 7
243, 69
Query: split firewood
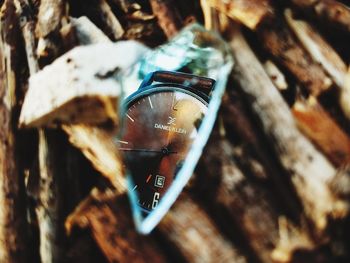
320, 51
345, 96
109, 220
27, 25
276, 75
87, 32
13, 227
110, 20
52, 16
246, 202
316, 124
279, 41
99, 146
309, 171
251, 13
168, 18
331, 12
91, 91
53, 181
252, 153
188, 227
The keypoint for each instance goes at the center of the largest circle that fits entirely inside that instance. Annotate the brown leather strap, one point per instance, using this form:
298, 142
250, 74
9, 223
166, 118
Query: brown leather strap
202, 84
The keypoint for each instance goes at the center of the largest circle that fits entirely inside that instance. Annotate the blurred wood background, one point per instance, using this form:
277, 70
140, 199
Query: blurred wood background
273, 184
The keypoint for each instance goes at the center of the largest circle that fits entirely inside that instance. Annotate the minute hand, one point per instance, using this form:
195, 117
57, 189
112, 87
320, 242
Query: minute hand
146, 150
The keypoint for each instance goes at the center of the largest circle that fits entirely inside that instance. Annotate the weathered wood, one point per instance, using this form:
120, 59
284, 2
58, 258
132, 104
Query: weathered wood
310, 172
99, 146
249, 204
320, 51
275, 75
110, 20
87, 32
331, 12
91, 90
345, 96
51, 17
316, 124
192, 232
13, 223
168, 18
251, 13
108, 217
279, 41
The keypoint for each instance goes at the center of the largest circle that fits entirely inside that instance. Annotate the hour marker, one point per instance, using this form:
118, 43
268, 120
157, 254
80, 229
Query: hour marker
123, 142
150, 102
148, 178
135, 188
127, 115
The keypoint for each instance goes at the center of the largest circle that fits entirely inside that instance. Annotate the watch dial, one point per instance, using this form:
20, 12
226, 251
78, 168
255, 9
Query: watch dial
157, 133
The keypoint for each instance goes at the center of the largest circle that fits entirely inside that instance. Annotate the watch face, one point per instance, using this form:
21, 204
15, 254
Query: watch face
158, 130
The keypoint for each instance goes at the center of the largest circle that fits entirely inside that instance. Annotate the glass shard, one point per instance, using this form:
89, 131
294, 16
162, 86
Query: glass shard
167, 121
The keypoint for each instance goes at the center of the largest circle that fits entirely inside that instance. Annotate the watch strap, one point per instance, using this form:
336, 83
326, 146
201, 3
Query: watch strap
202, 84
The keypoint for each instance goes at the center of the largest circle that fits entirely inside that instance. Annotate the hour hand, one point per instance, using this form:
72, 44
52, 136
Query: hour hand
164, 151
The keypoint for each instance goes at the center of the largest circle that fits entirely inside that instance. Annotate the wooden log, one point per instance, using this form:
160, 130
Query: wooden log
53, 186
99, 146
168, 18
51, 18
279, 41
320, 51
197, 240
110, 20
53, 181
253, 152
109, 219
251, 13
87, 32
295, 153
13, 226
91, 89
250, 205
330, 12
317, 125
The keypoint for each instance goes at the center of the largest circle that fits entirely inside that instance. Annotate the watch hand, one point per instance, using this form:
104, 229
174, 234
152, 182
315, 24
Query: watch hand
163, 151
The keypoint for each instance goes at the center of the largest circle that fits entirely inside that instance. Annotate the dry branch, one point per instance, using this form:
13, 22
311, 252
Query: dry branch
309, 171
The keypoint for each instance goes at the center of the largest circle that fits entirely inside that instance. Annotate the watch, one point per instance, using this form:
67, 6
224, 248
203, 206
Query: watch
160, 122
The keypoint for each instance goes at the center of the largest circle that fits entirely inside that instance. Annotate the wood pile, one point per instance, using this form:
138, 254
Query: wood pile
273, 184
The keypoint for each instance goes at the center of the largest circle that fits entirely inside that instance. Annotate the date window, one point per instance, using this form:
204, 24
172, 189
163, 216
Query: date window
159, 182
